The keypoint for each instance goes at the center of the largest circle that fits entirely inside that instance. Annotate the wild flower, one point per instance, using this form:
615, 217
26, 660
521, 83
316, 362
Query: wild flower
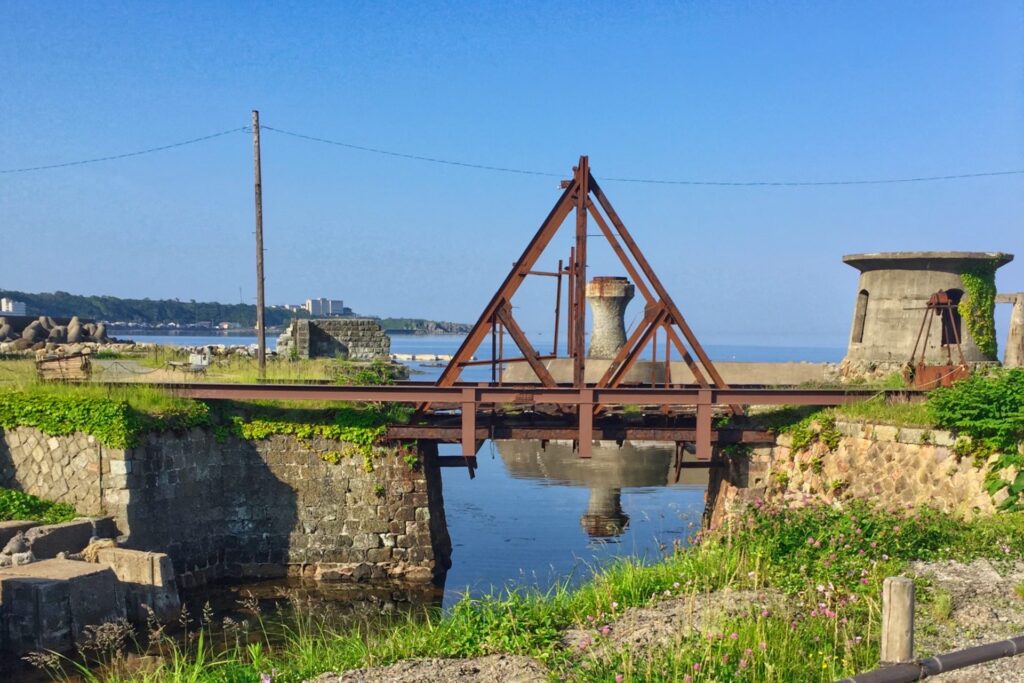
734, 635
743, 664
619, 678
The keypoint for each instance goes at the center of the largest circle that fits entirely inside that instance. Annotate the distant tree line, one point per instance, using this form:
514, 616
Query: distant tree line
157, 311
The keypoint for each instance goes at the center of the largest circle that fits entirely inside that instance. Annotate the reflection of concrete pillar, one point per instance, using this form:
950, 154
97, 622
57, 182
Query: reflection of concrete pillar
608, 297
1014, 357
604, 517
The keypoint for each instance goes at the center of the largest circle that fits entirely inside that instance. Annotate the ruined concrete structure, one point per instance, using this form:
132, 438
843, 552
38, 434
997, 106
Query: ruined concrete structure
892, 293
1014, 354
238, 509
608, 298
361, 339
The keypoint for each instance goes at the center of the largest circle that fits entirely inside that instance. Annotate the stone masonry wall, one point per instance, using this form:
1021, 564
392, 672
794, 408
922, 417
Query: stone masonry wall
69, 469
350, 338
882, 464
242, 508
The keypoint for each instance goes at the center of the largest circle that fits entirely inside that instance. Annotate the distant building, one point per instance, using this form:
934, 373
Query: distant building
325, 308
11, 306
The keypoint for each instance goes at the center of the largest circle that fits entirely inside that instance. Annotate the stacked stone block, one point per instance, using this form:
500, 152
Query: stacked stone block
359, 339
239, 508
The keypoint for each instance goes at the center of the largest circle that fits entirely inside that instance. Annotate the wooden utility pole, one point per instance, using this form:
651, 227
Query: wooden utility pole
261, 332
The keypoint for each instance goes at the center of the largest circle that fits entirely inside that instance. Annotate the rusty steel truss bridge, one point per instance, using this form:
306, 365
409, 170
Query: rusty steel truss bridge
467, 413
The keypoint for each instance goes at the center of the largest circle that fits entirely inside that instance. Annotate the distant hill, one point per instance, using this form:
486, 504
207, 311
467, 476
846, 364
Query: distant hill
161, 312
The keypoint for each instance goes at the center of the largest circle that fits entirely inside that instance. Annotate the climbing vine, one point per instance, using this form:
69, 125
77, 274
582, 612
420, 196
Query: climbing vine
978, 305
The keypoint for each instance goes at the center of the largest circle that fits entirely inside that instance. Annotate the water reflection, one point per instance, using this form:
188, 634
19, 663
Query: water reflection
537, 514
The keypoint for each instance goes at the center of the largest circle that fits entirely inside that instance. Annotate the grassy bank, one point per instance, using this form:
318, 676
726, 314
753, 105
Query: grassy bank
824, 566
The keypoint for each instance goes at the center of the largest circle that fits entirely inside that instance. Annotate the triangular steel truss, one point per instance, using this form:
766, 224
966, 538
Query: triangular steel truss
583, 195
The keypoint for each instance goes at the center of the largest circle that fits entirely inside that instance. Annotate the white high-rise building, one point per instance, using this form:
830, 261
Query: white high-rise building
11, 306
325, 307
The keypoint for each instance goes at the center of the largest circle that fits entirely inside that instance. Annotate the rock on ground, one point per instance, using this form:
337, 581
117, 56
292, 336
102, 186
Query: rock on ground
502, 668
984, 608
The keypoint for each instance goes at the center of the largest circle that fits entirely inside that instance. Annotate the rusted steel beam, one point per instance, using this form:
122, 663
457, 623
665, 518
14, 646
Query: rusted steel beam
500, 430
525, 394
703, 440
488, 361
582, 181
529, 354
512, 282
663, 295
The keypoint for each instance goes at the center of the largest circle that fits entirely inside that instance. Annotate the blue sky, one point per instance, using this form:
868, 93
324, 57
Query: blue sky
712, 91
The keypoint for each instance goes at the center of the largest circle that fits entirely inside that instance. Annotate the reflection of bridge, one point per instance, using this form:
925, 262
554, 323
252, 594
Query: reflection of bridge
615, 407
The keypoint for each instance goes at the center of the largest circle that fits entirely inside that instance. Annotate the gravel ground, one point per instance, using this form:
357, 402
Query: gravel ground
490, 669
984, 609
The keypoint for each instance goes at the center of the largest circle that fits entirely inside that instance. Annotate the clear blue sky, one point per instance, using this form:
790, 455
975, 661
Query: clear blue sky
715, 91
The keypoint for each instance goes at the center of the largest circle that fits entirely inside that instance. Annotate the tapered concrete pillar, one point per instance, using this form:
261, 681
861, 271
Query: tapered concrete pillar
1014, 357
608, 298
604, 517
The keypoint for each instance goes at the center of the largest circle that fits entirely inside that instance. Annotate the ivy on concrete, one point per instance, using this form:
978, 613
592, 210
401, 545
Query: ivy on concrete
977, 306
18, 505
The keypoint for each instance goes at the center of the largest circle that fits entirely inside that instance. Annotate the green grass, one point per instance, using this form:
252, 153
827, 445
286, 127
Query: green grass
18, 505
828, 565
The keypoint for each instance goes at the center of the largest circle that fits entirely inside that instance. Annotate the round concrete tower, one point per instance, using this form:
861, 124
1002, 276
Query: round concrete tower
608, 298
892, 294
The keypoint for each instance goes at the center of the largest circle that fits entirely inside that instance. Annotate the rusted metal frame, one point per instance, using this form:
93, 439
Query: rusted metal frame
651, 313
580, 312
529, 354
633, 352
558, 307
453, 433
913, 354
662, 293
617, 248
585, 413
687, 358
571, 301
468, 427
494, 350
956, 335
613, 241
521, 394
511, 283
703, 440
542, 273
505, 360
501, 351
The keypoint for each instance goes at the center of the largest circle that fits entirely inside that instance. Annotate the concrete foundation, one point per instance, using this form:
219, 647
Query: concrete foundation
1014, 354
892, 293
233, 508
359, 339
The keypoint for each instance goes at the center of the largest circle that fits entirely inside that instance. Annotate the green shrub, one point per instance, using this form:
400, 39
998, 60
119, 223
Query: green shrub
18, 505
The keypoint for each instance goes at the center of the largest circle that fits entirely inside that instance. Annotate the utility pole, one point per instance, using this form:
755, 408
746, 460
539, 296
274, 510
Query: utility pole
261, 332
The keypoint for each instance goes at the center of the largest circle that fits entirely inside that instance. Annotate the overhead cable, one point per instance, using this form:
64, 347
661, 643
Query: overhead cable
654, 181
112, 157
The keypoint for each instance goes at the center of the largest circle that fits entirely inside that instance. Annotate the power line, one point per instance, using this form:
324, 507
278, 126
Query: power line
415, 157
112, 157
654, 181
521, 171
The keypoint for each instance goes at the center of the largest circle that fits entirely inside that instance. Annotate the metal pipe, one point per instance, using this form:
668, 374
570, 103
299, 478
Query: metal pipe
951, 661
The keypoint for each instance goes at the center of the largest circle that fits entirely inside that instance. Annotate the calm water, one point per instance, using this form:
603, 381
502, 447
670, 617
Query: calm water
533, 516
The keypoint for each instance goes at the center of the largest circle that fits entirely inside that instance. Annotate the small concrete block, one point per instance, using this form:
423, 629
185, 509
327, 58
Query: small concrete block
9, 530
36, 615
49, 539
886, 433
148, 580
941, 437
94, 594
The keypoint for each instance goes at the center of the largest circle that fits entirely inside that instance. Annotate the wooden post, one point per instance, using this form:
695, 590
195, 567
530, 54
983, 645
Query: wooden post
261, 332
897, 620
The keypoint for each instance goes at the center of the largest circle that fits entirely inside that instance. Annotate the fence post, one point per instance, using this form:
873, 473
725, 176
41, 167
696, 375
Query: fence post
897, 620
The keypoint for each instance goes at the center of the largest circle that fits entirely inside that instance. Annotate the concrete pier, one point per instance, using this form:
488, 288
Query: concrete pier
1014, 355
608, 298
